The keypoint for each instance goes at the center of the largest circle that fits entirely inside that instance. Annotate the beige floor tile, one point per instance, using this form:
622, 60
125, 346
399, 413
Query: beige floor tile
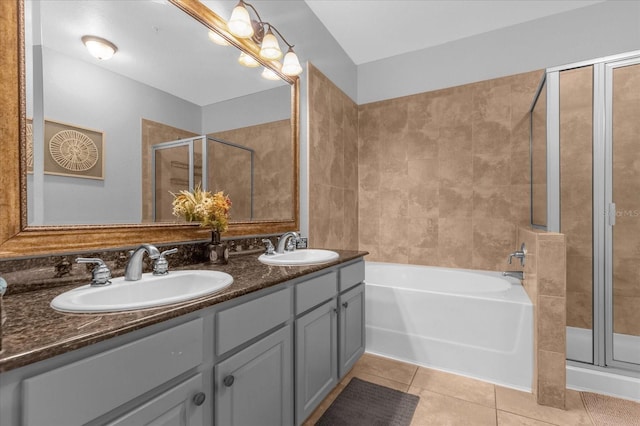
382, 381
471, 390
510, 419
441, 410
385, 367
524, 404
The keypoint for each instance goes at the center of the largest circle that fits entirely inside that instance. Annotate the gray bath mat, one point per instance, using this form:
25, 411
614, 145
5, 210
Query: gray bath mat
368, 404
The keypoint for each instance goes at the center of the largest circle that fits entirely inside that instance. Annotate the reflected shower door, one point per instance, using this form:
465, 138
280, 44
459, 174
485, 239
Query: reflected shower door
623, 96
177, 166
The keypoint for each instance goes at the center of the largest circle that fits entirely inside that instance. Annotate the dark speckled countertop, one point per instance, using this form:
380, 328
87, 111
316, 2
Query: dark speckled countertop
34, 331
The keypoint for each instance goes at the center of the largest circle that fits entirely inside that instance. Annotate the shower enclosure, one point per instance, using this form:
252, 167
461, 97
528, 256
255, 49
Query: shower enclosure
211, 163
585, 183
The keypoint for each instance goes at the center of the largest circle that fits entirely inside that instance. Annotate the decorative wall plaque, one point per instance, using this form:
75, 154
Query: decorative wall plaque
73, 151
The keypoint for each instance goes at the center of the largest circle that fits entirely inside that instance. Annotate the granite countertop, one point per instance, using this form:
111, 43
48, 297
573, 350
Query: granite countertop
34, 331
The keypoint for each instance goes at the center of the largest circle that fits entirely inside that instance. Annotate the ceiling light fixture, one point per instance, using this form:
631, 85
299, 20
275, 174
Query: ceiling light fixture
99, 48
241, 25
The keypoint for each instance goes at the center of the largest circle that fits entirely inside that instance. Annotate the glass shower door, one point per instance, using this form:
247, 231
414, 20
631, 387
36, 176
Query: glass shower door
176, 166
622, 89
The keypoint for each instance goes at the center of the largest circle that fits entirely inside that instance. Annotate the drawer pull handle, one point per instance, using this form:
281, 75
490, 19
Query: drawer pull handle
199, 398
345, 304
228, 381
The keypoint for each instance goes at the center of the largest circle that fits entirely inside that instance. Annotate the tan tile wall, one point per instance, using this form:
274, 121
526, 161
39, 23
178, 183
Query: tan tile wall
273, 183
576, 208
444, 175
154, 133
333, 165
626, 195
545, 283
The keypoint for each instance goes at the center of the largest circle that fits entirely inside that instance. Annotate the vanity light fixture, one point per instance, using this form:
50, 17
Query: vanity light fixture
291, 64
248, 61
99, 48
240, 22
241, 25
217, 39
270, 49
269, 74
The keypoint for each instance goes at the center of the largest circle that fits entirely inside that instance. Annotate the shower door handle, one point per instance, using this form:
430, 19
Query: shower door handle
612, 214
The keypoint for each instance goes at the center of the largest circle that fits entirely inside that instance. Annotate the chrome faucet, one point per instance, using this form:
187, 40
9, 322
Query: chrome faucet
133, 270
287, 242
515, 274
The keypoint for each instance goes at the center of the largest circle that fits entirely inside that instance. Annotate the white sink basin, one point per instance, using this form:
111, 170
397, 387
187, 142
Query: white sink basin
150, 291
299, 257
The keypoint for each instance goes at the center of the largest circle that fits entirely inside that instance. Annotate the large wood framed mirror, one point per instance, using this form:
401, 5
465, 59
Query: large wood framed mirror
43, 211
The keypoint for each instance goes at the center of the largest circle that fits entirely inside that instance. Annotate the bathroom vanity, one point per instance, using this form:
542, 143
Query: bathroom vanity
266, 350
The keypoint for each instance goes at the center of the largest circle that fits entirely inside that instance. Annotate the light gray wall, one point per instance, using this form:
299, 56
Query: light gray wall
600, 30
258, 108
85, 95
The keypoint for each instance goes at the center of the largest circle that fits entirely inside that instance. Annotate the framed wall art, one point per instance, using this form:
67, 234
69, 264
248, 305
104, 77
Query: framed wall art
73, 151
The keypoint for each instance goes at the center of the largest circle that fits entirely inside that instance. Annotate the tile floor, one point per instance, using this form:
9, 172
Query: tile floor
448, 399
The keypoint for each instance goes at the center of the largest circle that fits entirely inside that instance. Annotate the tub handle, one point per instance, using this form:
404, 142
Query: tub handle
346, 305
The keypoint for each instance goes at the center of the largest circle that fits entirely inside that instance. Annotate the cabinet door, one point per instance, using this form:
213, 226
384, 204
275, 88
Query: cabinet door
316, 358
179, 406
352, 328
255, 386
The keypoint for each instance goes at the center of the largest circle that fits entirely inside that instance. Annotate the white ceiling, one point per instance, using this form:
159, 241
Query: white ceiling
186, 64
369, 30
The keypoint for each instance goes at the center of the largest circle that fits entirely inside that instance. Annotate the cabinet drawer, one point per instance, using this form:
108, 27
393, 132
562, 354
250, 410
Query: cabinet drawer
239, 324
173, 407
351, 275
81, 391
315, 291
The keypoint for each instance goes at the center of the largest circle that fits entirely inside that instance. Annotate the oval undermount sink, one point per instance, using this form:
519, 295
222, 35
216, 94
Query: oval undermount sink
299, 257
148, 292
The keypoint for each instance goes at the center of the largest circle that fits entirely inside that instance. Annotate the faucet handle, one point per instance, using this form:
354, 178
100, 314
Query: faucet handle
161, 265
270, 249
518, 254
100, 275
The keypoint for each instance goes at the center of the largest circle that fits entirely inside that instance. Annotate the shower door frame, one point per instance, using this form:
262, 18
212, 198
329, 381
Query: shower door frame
610, 212
173, 144
602, 293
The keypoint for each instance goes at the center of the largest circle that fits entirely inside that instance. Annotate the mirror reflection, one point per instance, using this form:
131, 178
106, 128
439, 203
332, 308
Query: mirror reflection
98, 126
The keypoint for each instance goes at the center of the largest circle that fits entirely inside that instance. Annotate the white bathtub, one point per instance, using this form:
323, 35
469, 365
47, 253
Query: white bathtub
474, 323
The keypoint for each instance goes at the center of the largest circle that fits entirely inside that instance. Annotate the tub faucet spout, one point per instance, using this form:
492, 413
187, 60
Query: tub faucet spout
515, 274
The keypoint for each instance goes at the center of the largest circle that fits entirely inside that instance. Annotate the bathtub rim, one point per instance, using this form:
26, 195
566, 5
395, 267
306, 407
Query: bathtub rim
515, 294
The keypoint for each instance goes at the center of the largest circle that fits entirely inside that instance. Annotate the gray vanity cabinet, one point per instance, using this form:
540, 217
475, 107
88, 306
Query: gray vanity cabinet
232, 363
316, 357
179, 406
255, 386
90, 387
352, 328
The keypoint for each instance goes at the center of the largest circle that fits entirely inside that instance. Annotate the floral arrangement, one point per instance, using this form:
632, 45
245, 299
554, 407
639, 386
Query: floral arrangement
210, 209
